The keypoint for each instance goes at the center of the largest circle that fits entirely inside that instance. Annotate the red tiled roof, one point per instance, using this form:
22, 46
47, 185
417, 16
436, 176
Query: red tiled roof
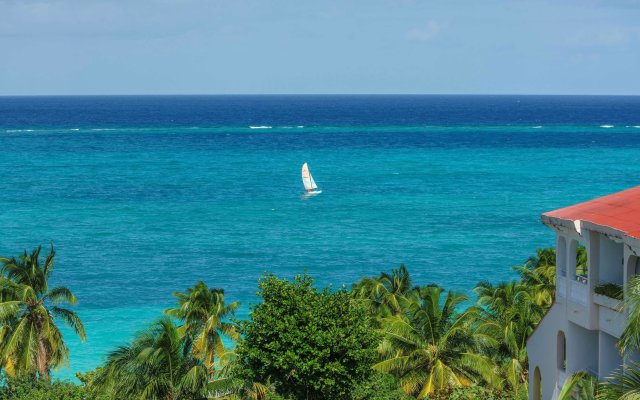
619, 211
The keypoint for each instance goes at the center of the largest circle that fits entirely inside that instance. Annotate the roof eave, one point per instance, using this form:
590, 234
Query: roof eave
558, 224
564, 225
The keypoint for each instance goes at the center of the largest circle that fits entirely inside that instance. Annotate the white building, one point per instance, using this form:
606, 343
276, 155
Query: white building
580, 331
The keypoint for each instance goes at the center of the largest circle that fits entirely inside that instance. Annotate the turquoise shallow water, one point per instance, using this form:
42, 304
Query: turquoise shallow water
141, 211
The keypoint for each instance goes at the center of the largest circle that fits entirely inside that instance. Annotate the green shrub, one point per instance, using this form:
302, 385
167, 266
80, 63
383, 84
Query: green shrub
610, 290
379, 387
32, 389
308, 343
478, 392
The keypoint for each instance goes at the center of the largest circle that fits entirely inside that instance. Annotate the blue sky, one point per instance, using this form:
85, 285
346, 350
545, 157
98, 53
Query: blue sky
329, 46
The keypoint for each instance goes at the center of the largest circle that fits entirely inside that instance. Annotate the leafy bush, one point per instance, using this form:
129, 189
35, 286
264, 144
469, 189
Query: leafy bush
610, 290
32, 389
87, 379
479, 392
380, 387
307, 343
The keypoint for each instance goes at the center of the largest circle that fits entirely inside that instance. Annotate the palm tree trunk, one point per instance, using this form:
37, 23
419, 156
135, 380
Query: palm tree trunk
42, 362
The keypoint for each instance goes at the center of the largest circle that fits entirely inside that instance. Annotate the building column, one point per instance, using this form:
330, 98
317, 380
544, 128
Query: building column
593, 273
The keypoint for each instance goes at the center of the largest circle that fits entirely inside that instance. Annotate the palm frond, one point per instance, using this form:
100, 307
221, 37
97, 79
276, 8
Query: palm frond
61, 294
71, 319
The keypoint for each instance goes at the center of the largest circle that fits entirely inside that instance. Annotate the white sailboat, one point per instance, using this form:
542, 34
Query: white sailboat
309, 184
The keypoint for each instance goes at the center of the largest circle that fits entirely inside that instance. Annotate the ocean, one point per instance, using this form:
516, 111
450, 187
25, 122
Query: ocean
145, 195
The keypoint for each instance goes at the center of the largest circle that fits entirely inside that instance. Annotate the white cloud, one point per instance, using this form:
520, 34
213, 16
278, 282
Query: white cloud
425, 33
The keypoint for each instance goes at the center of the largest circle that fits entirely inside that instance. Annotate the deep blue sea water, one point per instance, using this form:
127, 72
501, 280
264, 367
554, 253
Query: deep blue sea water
143, 196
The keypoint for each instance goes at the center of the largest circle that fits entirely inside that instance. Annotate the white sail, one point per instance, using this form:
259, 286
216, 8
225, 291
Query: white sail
307, 179
313, 183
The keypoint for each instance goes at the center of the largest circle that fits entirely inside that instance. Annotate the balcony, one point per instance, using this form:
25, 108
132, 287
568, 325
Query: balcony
578, 292
610, 316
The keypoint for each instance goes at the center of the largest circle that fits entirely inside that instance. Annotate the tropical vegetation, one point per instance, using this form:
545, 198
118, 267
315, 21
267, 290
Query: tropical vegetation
203, 311
158, 364
31, 343
384, 338
39, 389
433, 347
611, 290
308, 343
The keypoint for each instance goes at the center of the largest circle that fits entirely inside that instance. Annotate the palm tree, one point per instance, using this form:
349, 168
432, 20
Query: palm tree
509, 314
581, 386
32, 344
630, 339
505, 298
158, 364
582, 267
624, 384
386, 293
539, 274
203, 310
228, 386
431, 347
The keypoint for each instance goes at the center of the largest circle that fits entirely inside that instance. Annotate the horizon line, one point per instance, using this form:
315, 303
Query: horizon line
316, 94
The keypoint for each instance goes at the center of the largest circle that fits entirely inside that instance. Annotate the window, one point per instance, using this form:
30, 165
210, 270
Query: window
537, 385
582, 266
562, 351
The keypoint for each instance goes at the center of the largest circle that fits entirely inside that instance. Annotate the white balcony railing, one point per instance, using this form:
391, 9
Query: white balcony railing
578, 292
611, 318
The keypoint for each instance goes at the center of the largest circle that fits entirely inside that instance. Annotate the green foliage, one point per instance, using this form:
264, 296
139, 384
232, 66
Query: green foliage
87, 379
624, 384
167, 361
582, 267
630, 339
539, 275
385, 339
310, 344
510, 313
580, 386
158, 364
386, 294
34, 389
478, 392
434, 346
610, 290
203, 311
437, 347
379, 387
31, 342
